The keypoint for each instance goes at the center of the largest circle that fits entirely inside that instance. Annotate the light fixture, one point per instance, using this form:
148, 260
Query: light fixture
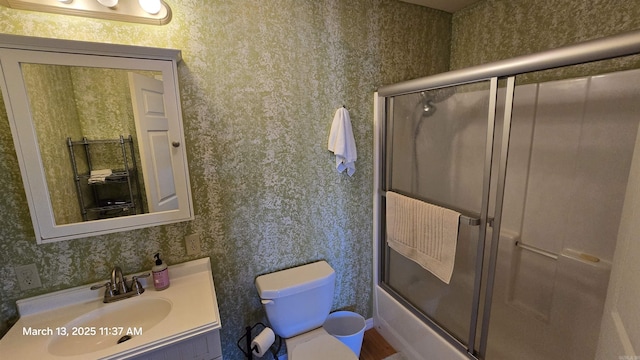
155, 12
151, 6
108, 3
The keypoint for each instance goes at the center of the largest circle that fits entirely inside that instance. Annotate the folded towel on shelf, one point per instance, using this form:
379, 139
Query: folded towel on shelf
342, 143
99, 176
424, 233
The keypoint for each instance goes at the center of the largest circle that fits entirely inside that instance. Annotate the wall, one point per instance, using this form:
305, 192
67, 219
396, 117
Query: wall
50, 93
260, 82
494, 30
620, 333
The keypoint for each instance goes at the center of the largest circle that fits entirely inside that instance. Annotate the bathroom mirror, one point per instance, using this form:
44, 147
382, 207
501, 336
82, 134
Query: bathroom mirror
98, 133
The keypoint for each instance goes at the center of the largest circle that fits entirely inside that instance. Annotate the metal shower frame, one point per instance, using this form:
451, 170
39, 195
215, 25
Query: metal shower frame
594, 50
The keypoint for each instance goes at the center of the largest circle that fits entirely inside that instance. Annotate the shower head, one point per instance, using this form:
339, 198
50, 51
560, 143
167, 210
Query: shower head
428, 98
428, 108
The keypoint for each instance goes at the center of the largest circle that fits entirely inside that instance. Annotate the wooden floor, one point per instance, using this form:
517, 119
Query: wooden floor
374, 346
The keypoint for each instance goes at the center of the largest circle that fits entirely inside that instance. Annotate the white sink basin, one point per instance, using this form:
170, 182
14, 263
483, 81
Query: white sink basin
75, 324
106, 326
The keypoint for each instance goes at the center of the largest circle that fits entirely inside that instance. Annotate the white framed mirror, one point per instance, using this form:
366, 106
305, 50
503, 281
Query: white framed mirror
98, 134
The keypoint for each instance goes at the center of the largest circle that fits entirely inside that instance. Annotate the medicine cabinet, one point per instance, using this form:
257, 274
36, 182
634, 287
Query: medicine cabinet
56, 90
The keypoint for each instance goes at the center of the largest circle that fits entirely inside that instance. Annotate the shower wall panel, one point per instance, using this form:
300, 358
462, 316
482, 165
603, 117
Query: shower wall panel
584, 130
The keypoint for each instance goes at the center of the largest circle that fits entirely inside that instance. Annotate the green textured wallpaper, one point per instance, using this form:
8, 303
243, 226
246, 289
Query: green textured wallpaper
493, 30
260, 83
50, 93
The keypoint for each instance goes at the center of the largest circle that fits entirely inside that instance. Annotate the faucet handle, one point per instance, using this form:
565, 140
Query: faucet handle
135, 284
107, 285
136, 277
108, 292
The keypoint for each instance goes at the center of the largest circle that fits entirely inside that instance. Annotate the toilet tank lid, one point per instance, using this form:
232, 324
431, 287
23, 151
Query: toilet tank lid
294, 280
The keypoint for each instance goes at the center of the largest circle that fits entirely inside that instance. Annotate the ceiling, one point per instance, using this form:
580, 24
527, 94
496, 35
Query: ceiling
445, 5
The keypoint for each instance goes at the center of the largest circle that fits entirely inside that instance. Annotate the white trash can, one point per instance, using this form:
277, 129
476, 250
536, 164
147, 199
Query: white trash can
347, 327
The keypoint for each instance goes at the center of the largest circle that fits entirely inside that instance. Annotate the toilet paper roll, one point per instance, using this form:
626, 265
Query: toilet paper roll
261, 343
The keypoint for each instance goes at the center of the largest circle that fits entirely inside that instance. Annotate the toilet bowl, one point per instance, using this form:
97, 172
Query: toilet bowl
297, 302
317, 344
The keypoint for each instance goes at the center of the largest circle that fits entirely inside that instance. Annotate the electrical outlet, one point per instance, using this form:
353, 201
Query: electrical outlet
192, 243
28, 277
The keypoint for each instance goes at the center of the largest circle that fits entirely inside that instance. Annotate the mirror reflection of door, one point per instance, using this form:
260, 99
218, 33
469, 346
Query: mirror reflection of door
152, 127
85, 103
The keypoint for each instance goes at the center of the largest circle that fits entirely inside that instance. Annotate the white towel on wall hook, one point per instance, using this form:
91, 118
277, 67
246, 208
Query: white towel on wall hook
342, 143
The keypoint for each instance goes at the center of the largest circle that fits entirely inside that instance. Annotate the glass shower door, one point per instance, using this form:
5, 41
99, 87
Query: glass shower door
437, 147
571, 148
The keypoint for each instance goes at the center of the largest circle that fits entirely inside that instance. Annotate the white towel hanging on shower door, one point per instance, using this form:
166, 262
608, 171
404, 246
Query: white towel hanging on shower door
342, 143
424, 233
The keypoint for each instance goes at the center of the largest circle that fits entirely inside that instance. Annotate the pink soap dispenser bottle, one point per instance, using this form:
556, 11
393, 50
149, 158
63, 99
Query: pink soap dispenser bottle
160, 274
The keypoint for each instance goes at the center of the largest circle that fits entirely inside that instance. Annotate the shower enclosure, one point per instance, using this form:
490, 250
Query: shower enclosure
538, 163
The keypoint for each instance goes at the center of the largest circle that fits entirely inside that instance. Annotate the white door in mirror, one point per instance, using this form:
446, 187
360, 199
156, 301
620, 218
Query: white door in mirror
152, 127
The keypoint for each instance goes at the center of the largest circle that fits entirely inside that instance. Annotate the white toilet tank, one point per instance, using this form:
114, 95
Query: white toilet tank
298, 299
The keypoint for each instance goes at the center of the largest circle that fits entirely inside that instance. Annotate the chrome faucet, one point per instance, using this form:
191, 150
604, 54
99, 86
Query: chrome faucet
118, 282
117, 288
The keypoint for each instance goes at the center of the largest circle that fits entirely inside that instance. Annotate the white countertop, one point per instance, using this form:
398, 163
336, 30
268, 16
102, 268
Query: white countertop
194, 311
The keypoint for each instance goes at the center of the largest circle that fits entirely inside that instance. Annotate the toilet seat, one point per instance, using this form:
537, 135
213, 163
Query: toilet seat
322, 347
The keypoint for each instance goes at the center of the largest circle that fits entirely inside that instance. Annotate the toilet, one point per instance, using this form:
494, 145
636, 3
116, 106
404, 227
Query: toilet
297, 302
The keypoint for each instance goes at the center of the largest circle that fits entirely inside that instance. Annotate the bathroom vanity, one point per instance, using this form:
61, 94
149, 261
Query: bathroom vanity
180, 322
